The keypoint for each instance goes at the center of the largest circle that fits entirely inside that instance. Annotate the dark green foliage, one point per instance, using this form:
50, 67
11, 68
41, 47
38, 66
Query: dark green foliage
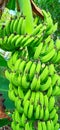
3, 62
4, 90
53, 6
4, 122
11, 4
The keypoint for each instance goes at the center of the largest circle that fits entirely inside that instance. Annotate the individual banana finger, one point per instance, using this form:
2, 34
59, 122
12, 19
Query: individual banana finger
45, 86
32, 71
48, 125
52, 113
44, 126
46, 114
57, 126
26, 107
51, 103
34, 83
27, 126
27, 96
37, 112
39, 125
41, 99
30, 111
38, 51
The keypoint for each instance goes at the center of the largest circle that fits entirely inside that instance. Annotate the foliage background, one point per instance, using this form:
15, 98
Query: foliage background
53, 6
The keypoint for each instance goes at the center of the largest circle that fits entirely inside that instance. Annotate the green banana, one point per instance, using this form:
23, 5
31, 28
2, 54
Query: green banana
56, 91
41, 98
17, 127
52, 125
29, 41
51, 103
39, 125
51, 69
36, 100
15, 25
46, 101
37, 29
23, 120
42, 30
37, 112
13, 40
7, 27
19, 25
44, 74
52, 113
47, 40
27, 96
50, 46
38, 84
34, 82
26, 107
28, 66
18, 105
32, 70
14, 78
9, 40
32, 99
46, 114
41, 113
44, 126
54, 58
7, 74
57, 44
25, 83
58, 58
55, 119
11, 25
23, 27
56, 126
46, 43
27, 126
45, 86
14, 57
13, 125
48, 56
48, 125
11, 95
30, 111
36, 41
38, 68
38, 51
17, 116
49, 91
17, 64
18, 41
54, 79
22, 66
15, 91
20, 93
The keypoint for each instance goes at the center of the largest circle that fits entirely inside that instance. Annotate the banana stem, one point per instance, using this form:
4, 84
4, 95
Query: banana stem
26, 10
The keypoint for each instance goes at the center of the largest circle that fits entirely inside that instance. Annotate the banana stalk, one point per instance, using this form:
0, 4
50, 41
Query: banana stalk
26, 10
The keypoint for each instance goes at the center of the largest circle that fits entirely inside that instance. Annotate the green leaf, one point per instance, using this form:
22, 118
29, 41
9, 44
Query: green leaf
4, 90
4, 122
3, 62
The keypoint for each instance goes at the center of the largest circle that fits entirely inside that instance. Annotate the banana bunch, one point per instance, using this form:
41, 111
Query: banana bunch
21, 122
13, 25
34, 81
